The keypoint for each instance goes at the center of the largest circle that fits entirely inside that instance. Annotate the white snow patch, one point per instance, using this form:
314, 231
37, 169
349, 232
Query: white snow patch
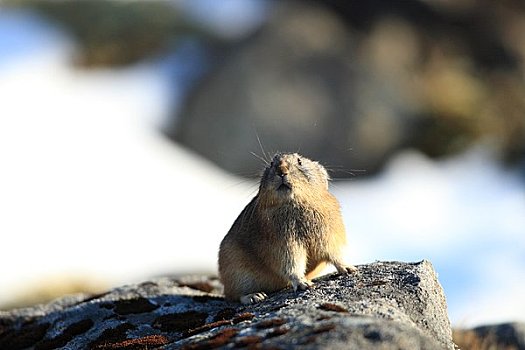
89, 185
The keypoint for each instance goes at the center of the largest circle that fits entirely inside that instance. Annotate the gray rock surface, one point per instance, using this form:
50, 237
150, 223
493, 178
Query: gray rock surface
387, 305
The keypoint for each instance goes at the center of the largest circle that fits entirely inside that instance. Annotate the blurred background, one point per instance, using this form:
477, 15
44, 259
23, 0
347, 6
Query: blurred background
127, 130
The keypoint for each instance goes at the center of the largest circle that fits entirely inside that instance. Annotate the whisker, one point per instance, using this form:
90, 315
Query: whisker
265, 156
352, 172
259, 157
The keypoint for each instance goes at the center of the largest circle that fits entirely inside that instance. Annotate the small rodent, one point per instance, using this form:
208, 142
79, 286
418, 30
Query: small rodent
285, 235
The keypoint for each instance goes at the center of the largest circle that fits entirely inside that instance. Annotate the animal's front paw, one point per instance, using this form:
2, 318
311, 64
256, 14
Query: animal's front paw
346, 268
301, 284
253, 298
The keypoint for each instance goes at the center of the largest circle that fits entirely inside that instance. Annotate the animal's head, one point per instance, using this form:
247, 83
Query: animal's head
290, 175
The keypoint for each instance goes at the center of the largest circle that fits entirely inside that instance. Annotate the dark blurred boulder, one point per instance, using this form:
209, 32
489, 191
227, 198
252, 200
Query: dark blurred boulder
510, 336
351, 82
297, 85
116, 33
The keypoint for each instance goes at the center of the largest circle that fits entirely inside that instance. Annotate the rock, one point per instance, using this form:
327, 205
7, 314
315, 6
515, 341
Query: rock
126, 32
499, 336
387, 305
294, 86
351, 83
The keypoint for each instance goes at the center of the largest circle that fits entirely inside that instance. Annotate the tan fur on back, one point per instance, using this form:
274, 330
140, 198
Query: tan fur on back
286, 234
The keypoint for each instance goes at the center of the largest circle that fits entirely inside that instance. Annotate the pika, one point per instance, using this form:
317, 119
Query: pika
285, 235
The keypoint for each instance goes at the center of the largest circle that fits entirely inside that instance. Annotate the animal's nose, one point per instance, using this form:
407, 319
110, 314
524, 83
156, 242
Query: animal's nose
282, 169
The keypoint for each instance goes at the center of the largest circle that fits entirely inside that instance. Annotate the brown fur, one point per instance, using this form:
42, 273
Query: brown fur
285, 235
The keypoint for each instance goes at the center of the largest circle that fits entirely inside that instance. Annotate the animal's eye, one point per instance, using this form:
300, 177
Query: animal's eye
299, 161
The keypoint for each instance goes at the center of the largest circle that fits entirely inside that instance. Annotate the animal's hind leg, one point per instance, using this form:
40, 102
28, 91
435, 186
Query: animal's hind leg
344, 268
314, 271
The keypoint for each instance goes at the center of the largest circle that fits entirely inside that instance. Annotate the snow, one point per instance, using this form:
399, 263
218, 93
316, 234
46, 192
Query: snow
464, 214
88, 186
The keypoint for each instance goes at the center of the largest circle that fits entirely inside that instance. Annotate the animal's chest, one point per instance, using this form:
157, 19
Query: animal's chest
297, 222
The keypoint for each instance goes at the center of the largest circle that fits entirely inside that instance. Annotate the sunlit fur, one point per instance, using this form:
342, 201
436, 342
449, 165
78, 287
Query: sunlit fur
286, 233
